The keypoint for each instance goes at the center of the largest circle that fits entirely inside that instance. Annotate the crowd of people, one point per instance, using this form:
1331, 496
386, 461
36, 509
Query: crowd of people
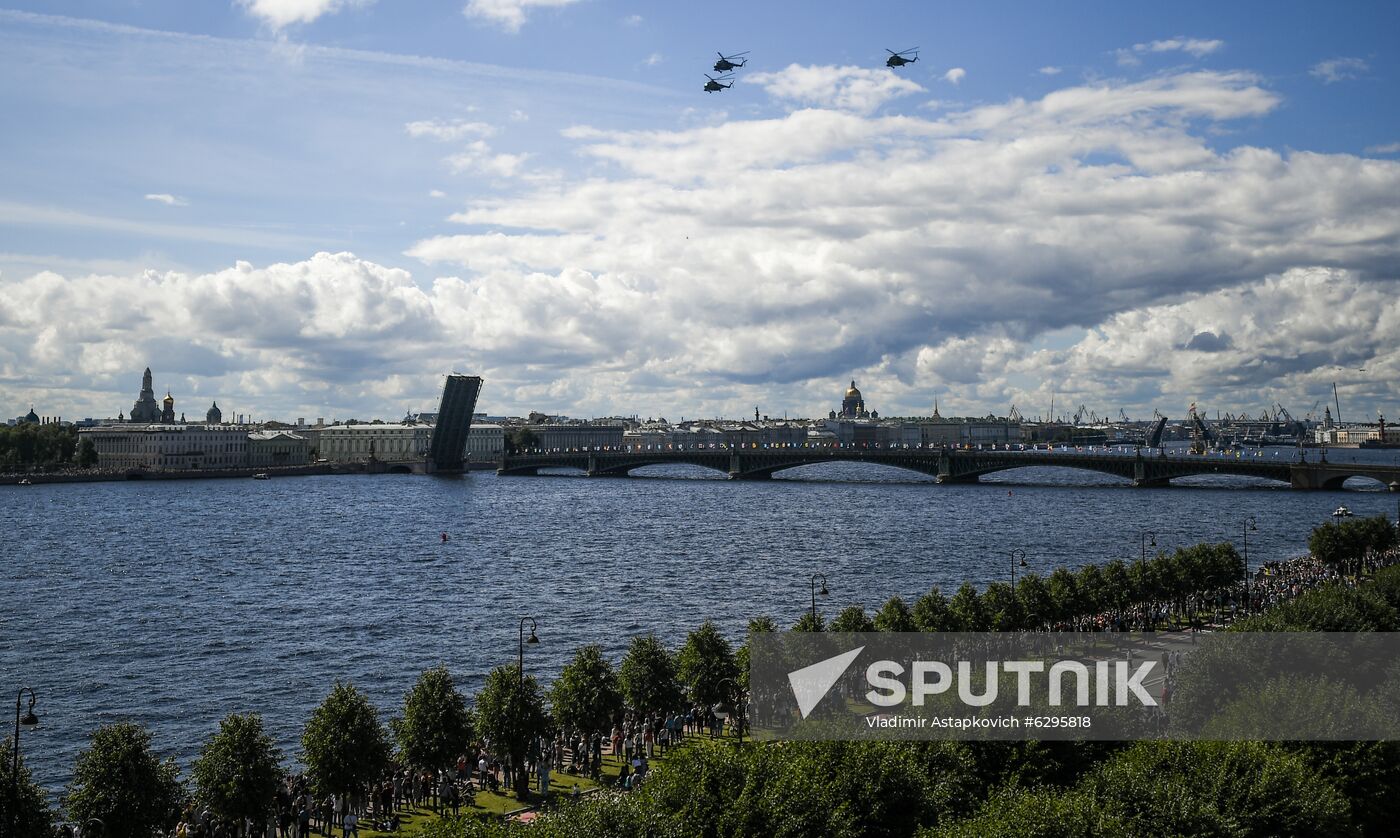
633, 742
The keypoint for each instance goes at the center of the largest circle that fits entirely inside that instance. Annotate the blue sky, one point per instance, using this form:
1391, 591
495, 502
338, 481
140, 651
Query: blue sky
1056, 199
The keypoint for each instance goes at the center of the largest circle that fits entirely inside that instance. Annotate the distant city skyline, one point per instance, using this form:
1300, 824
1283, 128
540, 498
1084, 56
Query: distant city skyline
319, 208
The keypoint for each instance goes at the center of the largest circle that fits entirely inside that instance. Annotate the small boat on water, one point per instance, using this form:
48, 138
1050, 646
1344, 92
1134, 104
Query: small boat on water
25, 481
1342, 512
262, 475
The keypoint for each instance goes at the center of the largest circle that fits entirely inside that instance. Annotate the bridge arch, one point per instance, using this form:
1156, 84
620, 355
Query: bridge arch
627, 466
769, 469
1124, 474
1358, 483
684, 471
978, 467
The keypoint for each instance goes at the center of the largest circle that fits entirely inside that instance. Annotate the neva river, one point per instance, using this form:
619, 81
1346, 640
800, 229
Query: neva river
174, 603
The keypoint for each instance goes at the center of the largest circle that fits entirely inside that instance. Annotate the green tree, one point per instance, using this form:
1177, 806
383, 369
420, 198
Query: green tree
742, 658
967, 611
1033, 598
704, 662
520, 439
807, 622
1090, 587
1002, 608
1118, 586
586, 695
29, 446
344, 744
1258, 788
648, 676
120, 782
237, 772
87, 454
30, 811
931, 612
436, 726
852, 618
511, 714
1064, 594
894, 615
1343, 543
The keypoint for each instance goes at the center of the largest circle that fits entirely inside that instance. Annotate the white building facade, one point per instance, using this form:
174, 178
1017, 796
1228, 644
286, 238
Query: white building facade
269, 449
168, 447
361, 443
485, 443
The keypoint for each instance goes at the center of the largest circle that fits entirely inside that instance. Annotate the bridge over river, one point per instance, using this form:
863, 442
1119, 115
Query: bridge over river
954, 465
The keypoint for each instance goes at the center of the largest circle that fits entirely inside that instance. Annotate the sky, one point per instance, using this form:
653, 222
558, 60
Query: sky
317, 208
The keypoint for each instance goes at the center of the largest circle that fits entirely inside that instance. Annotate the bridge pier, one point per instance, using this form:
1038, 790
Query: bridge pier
958, 478
750, 475
1142, 477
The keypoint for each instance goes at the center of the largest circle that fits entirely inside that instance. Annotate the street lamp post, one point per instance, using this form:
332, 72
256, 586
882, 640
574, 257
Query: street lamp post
532, 641
1014, 555
823, 592
1249, 526
1144, 538
28, 720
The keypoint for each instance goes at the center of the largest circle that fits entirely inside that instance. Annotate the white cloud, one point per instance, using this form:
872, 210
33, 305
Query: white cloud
167, 199
448, 131
632, 20
654, 59
229, 331
509, 15
1076, 241
954, 75
1339, 69
1049, 71
518, 115
478, 157
436, 193
282, 13
1195, 47
1388, 148
928, 253
858, 89
1280, 337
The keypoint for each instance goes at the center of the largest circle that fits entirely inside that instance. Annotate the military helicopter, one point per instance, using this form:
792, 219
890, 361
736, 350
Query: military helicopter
714, 85
726, 62
899, 59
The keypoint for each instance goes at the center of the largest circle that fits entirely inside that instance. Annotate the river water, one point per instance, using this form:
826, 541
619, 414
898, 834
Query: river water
174, 603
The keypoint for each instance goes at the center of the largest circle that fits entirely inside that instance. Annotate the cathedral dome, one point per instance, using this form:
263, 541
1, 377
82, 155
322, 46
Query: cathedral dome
853, 393
31, 417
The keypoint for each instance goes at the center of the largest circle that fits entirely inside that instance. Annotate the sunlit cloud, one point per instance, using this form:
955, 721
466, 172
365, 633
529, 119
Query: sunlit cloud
859, 89
279, 14
1339, 69
509, 15
1195, 47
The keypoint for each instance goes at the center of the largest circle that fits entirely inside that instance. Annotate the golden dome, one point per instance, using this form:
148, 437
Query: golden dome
853, 393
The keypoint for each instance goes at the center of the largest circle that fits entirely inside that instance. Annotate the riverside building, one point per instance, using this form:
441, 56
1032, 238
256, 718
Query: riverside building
365, 442
168, 447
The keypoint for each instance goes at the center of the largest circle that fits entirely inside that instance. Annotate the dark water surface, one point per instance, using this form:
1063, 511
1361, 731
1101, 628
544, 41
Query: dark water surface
175, 603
